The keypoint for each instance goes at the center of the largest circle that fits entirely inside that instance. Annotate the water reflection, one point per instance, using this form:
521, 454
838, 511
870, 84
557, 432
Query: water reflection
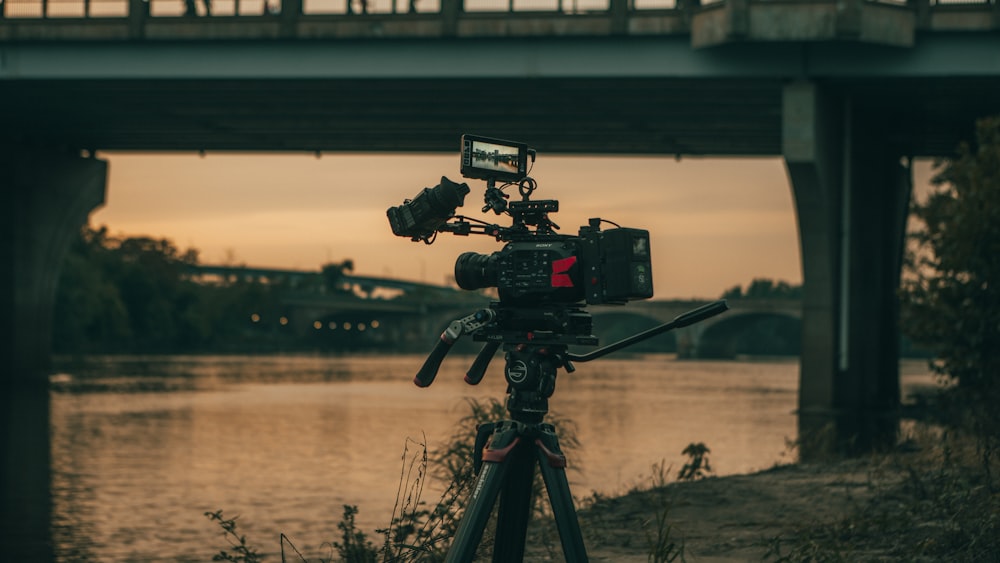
142, 447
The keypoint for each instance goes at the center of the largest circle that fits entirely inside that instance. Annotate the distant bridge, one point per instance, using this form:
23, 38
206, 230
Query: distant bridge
402, 313
296, 278
769, 327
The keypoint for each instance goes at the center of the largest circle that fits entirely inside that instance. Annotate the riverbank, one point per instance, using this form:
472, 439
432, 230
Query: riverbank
937, 501
734, 518
751, 517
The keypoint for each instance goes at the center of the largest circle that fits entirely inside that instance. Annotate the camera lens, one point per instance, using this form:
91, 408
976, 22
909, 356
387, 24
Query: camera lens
476, 271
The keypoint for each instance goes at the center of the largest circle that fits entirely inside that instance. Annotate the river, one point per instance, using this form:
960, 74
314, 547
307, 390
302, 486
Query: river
142, 447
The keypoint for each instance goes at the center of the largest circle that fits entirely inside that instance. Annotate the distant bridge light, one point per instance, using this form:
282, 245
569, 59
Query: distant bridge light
361, 327
255, 318
283, 321
332, 325
347, 326
317, 325
374, 324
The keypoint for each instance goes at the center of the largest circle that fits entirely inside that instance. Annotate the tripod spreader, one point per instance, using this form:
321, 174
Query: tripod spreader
455, 330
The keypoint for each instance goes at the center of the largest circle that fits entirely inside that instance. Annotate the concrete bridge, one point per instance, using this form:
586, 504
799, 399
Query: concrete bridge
846, 91
414, 324
375, 311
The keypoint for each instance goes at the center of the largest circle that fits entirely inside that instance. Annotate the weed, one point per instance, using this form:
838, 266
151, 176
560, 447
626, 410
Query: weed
662, 547
241, 550
661, 542
697, 465
416, 532
354, 545
944, 508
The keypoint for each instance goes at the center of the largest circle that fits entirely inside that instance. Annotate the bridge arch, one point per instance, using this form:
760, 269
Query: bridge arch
763, 333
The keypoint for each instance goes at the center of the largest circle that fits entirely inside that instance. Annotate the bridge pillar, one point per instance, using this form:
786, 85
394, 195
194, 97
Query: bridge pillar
47, 197
689, 341
851, 197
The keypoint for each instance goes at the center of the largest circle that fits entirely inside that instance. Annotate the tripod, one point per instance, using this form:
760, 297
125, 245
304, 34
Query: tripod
511, 449
506, 468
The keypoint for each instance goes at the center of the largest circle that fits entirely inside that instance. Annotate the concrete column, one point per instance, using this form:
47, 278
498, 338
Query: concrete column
291, 11
47, 196
138, 13
879, 195
851, 196
739, 18
813, 150
450, 11
849, 15
619, 10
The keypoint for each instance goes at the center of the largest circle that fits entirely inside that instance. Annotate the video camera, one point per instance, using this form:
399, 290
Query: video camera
537, 266
542, 279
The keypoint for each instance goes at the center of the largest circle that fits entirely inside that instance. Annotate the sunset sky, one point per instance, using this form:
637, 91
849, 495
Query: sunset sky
714, 223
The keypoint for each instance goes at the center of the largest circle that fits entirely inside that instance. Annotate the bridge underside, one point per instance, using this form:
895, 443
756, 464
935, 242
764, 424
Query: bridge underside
555, 115
842, 125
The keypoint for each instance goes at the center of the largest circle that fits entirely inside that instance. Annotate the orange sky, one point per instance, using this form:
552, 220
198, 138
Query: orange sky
714, 223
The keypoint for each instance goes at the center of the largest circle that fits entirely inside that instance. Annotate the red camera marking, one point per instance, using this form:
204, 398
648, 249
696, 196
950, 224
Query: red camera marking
560, 277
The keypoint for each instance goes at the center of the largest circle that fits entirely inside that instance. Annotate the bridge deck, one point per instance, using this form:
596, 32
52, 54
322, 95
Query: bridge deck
607, 79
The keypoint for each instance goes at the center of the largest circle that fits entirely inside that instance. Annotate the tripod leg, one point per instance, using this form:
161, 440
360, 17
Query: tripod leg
552, 464
515, 506
484, 495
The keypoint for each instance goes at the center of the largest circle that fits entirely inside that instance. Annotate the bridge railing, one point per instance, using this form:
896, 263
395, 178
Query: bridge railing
169, 8
70, 9
31, 9
64, 8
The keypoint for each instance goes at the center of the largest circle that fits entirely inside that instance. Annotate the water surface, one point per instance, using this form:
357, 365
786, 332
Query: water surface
143, 446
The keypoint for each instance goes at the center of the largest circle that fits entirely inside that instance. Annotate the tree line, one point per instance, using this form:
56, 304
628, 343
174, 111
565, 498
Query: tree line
764, 288
139, 294
133, 294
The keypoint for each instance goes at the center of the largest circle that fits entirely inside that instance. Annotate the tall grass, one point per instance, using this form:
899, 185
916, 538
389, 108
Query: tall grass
945, 507
417, 531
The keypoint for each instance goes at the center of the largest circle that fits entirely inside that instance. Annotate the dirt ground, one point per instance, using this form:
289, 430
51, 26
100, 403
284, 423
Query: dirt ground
726, 519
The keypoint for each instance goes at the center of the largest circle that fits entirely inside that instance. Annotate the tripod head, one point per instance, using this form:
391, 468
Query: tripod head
536, 345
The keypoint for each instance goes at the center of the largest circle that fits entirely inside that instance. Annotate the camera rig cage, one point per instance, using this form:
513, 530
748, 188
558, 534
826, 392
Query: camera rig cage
544, 280
538, 266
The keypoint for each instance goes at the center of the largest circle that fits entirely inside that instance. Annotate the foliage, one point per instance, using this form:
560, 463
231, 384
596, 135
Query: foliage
354, 545
764, 288
333, 275
662, 543
697, 465
644, 511
663, 547
90, 310
950, 295
422, 534
241, 551
137, 294
418, 533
